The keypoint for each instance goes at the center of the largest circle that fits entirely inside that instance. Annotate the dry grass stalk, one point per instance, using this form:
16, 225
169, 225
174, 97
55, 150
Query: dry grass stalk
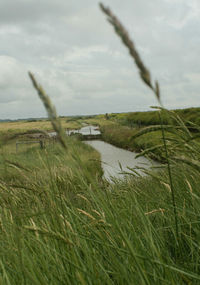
146, 77
155, 211
167, 186
48, 233
86, 214
67, 224
51, 111
83, 197
189, 185
123, 34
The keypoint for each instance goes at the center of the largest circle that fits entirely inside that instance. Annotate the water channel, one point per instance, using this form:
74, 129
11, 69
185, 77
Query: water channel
114, 160
86, 130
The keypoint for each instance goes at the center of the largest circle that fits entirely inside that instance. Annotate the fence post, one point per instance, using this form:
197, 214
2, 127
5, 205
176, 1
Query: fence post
41, 144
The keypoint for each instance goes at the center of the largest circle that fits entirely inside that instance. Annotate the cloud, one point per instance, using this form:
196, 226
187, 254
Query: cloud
83, 65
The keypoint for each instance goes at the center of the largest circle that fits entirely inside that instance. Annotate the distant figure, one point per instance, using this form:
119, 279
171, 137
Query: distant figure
106, 116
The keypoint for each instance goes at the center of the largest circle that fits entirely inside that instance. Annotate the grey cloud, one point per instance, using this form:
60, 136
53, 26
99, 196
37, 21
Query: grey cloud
22, 11
82, 64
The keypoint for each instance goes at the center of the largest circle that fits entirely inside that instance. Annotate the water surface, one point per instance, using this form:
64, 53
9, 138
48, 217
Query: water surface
112, 157
86, 130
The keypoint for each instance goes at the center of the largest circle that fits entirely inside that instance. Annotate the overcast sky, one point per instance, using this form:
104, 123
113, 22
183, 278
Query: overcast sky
81, 63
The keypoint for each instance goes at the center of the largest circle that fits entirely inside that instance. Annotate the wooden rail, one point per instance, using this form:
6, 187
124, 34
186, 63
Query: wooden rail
30, 142
91, 137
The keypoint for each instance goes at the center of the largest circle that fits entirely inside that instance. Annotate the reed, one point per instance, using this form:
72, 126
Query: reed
154, 86
51, 111
128, 42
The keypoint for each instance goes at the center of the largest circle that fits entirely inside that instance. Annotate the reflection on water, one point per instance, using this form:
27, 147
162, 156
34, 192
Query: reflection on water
112, 157
87, 130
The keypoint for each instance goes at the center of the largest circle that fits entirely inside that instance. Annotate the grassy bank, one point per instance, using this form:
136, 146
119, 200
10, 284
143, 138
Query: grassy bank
34, 159
61, 224
122, 136
149, 118
148, 139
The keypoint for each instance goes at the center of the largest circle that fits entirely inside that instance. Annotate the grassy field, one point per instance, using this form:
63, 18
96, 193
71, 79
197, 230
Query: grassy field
140, 119
115, 129
62, 224
44, 125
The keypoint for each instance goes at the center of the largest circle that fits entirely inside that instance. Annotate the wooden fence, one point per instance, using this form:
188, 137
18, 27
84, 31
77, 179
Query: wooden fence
40, 142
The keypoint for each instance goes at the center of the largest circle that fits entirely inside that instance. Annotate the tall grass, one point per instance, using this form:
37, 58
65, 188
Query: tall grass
142, 119
146, 77
60, 224
51, 111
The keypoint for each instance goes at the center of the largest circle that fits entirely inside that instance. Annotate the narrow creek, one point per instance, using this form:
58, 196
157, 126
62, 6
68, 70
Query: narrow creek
113, 159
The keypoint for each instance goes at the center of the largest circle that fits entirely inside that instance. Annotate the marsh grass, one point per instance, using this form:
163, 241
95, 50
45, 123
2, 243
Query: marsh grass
51, 111
61, 225
146, 77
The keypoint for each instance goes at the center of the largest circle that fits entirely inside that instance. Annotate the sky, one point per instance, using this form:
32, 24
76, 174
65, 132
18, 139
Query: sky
81, 63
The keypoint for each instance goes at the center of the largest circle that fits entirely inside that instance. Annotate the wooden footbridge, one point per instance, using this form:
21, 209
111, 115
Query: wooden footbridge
91, 137
87, 133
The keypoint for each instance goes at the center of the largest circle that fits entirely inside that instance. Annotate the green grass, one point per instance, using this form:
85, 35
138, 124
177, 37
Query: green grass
61, 224
120, 129
135, 119
35, 160
121, 136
